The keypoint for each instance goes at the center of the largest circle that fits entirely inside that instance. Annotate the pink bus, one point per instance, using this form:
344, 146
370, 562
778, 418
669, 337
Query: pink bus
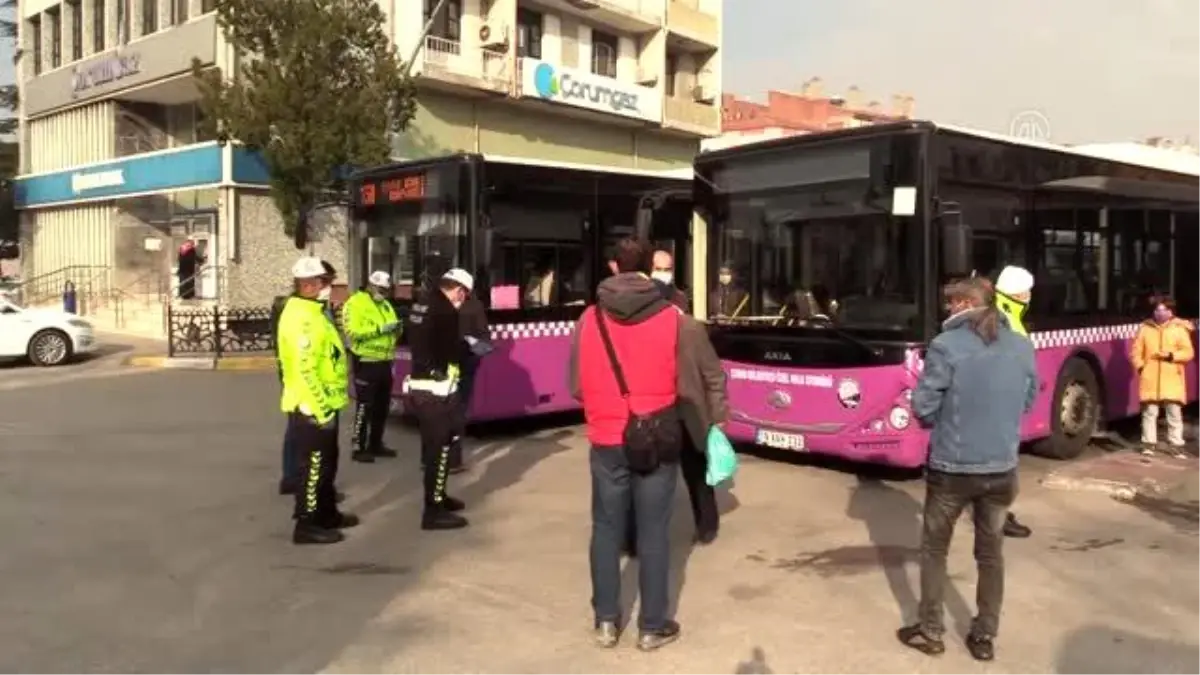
834, 248
533, 233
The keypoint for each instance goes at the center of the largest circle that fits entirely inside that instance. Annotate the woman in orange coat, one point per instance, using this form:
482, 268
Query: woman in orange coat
1161, 351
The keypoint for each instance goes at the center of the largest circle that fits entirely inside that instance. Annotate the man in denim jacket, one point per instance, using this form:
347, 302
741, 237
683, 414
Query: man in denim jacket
979, 379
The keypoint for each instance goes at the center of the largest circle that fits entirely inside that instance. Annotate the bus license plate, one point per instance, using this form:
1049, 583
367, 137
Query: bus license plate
781, 440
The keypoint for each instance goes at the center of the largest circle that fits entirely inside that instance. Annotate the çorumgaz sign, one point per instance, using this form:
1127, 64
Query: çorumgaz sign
110, 68
587, 90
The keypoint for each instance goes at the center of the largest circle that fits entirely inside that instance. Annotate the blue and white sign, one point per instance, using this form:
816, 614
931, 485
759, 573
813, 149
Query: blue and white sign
582, 89
188, 167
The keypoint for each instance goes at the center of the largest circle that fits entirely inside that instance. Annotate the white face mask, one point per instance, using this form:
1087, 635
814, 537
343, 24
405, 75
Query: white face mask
377, 293
725, 279
324, 294
663, 276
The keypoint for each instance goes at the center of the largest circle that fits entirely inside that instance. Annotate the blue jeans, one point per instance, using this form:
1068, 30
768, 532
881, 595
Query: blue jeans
615, 490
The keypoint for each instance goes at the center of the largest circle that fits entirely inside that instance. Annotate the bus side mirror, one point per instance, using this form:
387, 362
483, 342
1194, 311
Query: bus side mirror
956, 247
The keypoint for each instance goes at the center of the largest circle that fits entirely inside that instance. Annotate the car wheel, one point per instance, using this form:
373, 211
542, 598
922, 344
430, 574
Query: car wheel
50, 348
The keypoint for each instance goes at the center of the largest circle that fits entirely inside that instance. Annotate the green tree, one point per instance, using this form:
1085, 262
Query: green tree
8, 92
318, 87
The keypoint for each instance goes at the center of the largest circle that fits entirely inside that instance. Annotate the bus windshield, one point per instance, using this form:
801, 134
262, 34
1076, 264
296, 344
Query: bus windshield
415, 222
818, 253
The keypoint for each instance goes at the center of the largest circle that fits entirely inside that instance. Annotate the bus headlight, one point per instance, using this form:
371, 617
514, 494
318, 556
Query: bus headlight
899, 418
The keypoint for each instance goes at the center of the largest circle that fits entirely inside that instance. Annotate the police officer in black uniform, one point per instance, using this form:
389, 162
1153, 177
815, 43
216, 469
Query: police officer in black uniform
433, 338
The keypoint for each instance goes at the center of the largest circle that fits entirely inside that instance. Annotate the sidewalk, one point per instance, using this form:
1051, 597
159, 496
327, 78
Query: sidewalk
1125, 475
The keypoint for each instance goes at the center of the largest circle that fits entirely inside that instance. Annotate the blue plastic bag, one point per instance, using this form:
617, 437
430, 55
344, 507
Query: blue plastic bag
722, 460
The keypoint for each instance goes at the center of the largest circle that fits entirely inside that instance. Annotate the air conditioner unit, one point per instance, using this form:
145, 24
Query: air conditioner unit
703, 93
493, 35
647, 77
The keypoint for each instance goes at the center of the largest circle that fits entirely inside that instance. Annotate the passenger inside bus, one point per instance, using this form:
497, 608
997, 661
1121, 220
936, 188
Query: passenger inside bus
729, 300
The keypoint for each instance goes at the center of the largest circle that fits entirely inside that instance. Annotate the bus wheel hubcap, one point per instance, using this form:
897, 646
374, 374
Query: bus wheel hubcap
1076, 409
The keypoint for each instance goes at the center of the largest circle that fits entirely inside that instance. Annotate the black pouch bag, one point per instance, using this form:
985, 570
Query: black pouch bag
649, 440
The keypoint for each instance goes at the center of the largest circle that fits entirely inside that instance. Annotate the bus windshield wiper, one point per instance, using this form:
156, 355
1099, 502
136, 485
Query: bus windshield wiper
846, 336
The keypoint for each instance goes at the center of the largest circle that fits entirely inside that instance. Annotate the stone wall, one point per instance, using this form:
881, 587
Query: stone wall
265, 253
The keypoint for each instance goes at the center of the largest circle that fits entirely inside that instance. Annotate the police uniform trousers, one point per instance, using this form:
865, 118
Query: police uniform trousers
466, 385
373, 399
316, 449
437, 417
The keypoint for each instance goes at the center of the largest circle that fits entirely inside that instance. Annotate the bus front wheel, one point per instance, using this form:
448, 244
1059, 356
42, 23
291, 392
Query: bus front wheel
1074, 412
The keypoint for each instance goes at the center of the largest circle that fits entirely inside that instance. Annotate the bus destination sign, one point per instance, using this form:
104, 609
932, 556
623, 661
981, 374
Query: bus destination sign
394, 190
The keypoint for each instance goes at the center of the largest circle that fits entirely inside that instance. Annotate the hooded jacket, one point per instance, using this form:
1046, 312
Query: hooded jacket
645, 335
1162, 378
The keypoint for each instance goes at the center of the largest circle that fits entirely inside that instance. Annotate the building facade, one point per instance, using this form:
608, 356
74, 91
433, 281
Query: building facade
116, 176
808, 110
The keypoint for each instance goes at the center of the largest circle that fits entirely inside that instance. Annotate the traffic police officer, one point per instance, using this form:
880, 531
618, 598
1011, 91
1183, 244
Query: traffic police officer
370, 324
312, 363
433, 336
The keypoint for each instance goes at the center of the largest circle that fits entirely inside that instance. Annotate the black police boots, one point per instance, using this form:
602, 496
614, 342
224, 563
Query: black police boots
307, 532
444, 516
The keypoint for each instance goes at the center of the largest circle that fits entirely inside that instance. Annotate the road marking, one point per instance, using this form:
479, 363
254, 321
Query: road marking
45, 379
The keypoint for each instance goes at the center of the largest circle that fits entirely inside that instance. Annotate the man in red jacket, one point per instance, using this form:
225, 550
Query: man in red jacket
645, 330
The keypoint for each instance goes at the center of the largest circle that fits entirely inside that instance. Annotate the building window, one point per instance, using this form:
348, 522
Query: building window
446, 25
207, 6
98, 27
604, 54
149, 16
179, 11
672, 74
122, 22
35, 29
529, 34
55, 17
76, 30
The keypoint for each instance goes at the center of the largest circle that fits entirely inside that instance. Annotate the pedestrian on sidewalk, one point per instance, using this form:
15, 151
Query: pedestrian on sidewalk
979, 379
1161, 350
1014, 292
624, 370
371, 327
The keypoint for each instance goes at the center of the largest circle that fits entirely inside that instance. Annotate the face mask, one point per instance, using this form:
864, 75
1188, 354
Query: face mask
1162, 315
725, 279
324, 293
377, 294
662, 276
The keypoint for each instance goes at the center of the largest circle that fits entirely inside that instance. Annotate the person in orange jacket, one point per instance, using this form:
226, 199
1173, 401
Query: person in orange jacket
1161, 350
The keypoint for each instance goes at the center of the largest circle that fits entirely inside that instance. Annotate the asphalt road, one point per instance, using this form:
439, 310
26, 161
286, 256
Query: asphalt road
143, 534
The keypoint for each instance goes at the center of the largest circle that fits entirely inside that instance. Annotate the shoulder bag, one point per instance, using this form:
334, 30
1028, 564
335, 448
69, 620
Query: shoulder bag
649, 440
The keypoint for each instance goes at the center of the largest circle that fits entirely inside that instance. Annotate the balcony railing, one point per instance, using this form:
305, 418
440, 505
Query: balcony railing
685, 18
449, 60
699, 118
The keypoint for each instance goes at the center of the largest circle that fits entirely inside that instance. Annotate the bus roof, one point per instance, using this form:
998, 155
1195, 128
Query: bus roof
682, 174
1133, 154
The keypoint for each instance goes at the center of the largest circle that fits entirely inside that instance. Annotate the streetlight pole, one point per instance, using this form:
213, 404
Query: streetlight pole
412, 58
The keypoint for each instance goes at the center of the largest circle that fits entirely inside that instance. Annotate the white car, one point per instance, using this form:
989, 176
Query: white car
49, 337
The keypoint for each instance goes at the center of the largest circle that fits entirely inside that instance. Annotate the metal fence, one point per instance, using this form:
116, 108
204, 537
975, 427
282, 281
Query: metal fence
219, 330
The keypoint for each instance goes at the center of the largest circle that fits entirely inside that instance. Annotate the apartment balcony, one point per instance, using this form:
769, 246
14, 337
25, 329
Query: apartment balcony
631, 16
448, 64
697, 29
689, 116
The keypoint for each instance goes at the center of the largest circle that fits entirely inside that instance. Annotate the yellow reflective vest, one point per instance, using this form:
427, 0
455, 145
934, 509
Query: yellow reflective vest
363, 320
312, 361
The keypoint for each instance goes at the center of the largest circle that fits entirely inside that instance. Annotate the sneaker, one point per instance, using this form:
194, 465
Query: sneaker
1179, 452
606, 634
650, 640
306, 533
435, 518
1147, 451
982, 649
915, 638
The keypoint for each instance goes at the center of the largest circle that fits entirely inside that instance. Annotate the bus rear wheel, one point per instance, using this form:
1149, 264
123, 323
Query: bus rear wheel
1074, 412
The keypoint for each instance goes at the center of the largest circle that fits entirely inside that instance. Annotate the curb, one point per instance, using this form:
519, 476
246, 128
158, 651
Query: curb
233, 363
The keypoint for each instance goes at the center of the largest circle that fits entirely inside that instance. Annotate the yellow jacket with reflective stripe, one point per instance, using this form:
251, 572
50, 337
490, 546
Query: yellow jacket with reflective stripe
363, 320
1013, 310
312, 361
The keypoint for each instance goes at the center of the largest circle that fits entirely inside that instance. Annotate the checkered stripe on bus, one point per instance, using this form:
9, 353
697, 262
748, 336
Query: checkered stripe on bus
525, 331
1074, 337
